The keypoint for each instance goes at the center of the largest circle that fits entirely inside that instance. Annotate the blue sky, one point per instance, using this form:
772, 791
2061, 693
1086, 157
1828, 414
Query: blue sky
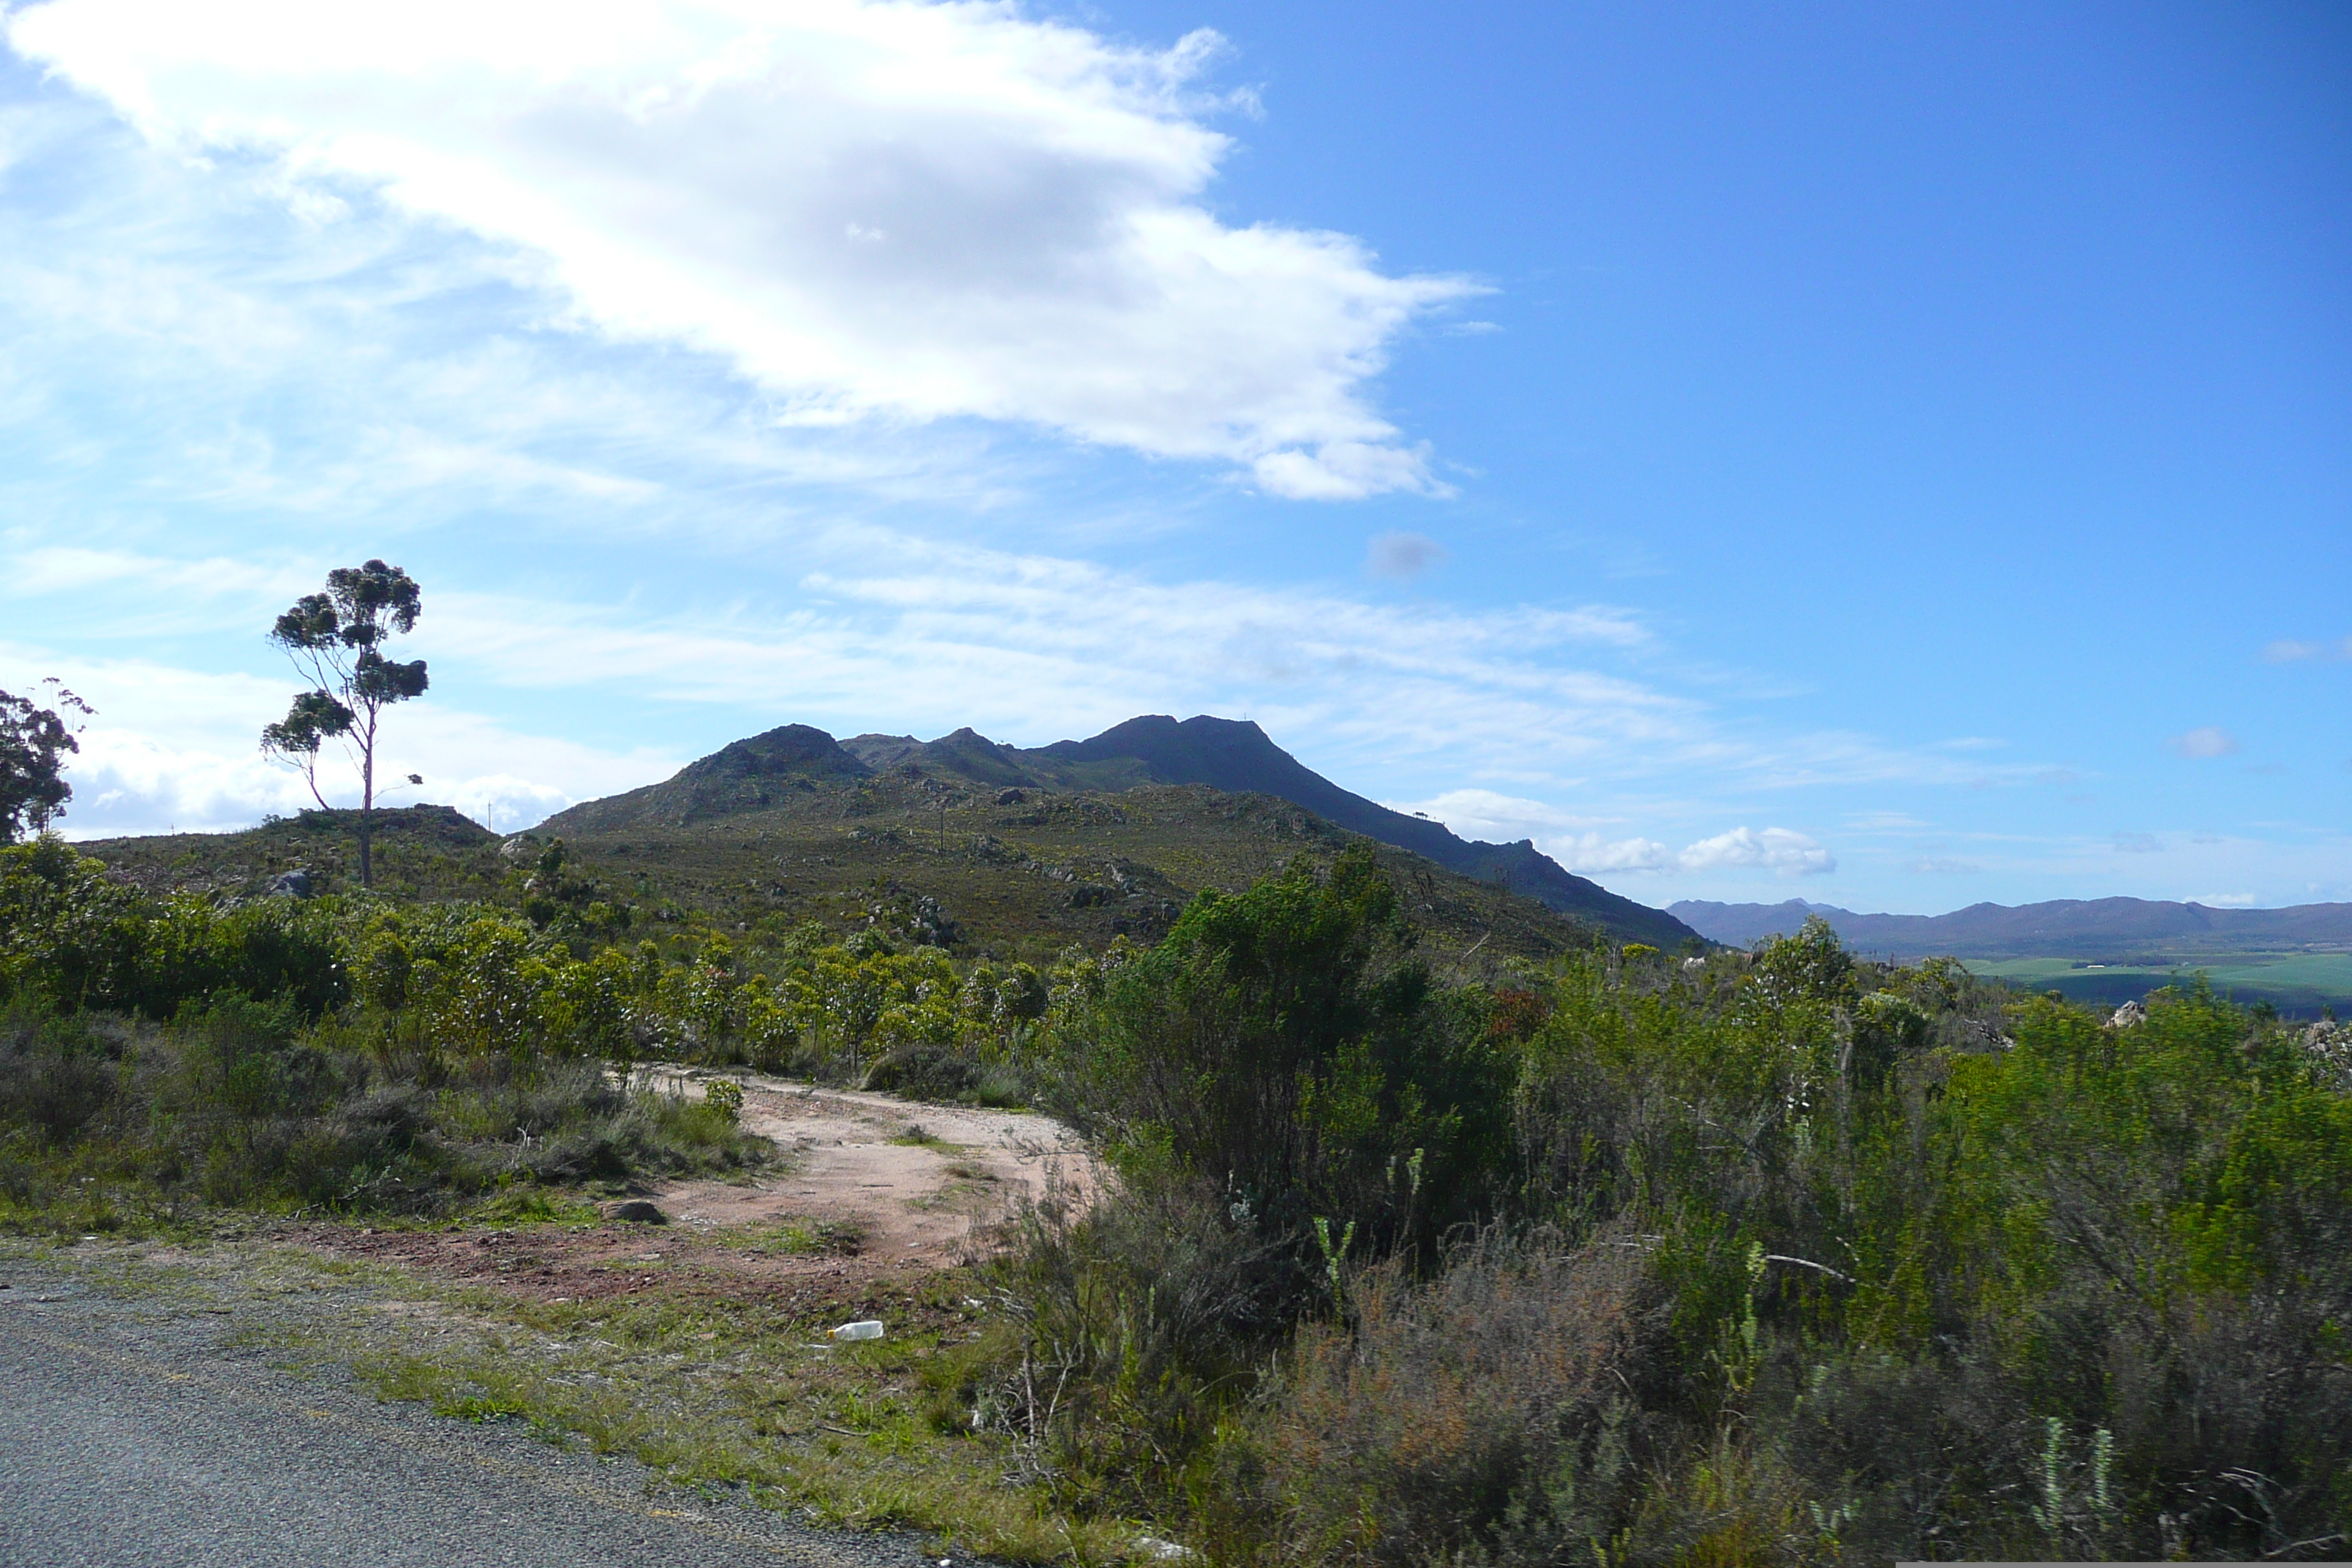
1893, 456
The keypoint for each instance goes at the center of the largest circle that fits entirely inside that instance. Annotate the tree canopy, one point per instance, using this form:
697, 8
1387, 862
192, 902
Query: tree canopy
34, 744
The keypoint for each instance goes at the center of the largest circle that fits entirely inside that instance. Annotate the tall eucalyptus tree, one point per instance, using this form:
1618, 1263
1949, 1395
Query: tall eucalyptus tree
335, 640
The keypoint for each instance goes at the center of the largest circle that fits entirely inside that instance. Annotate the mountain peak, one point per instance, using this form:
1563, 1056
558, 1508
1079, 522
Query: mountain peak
790, 748
1236, 756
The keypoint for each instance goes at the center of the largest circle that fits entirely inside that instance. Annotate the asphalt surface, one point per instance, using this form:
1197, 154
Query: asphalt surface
138, 1431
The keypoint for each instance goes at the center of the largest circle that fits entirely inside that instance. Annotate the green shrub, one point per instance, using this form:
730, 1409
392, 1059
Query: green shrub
1283, 1052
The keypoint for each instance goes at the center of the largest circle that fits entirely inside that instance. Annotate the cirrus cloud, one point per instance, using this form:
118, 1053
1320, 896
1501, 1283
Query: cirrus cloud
875, 209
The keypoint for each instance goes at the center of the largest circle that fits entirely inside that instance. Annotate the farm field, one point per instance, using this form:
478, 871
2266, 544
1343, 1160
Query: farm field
2298, 985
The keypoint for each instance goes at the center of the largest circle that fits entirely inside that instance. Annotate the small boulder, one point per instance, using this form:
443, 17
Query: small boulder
1012, 797
636, 1211
2125, 1016
292, 885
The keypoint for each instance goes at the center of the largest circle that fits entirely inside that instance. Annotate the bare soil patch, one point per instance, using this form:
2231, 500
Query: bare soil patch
872, 1191
922, 1183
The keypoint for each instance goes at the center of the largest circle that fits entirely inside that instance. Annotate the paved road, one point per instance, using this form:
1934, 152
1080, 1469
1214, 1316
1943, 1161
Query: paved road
137, 1433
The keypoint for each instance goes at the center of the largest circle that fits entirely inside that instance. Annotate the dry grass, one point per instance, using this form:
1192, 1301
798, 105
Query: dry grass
1438, 1418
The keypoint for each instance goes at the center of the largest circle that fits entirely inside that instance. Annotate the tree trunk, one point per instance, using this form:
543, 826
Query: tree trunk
367, 802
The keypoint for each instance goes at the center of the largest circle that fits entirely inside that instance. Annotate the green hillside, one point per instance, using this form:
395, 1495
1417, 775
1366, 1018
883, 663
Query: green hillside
1022, 878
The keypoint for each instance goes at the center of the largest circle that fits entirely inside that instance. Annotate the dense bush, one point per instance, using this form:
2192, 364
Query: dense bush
73, 937
1774, 1256
462, 981
232, 1103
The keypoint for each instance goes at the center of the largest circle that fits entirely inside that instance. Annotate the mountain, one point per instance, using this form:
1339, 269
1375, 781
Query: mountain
1234, 756
2094, 927
1237, 756
751, 774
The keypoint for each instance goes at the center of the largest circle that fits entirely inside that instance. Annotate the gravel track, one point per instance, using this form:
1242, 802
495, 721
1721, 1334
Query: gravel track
148, 1429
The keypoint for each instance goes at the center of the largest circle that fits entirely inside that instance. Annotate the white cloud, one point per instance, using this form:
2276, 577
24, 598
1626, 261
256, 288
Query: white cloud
875, 209
1490, 815
2206, 741
1578, 843
2291, 650
2224, 900
1572, 840
1031, 649
1034, 648
1402, 556
1776, 850
179, 748
1591, 855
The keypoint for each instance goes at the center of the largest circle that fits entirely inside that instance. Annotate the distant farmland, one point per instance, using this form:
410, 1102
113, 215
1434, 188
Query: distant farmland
2298, 959
2298, 984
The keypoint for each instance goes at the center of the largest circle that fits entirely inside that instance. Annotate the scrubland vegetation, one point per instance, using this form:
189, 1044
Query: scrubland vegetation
345, 1054
1750, 1258
1625, 1258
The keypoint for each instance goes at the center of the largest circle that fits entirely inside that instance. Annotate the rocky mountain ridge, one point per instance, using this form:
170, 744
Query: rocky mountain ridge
764, 772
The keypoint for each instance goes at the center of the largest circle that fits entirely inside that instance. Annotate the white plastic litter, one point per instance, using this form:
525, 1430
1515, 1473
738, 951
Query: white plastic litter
1164, 1551
866, 1329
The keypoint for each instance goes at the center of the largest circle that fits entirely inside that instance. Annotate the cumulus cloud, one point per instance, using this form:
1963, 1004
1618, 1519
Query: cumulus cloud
875, 209
1401, 557
2206, 741
1776, 850
1578, 843
1491, 814
1572, 840
1592, 853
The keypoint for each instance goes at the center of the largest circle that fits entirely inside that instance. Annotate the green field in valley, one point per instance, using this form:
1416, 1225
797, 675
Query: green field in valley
2298, 984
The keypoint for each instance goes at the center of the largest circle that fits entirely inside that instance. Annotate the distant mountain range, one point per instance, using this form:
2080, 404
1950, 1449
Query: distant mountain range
1233, 756
2078, 927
